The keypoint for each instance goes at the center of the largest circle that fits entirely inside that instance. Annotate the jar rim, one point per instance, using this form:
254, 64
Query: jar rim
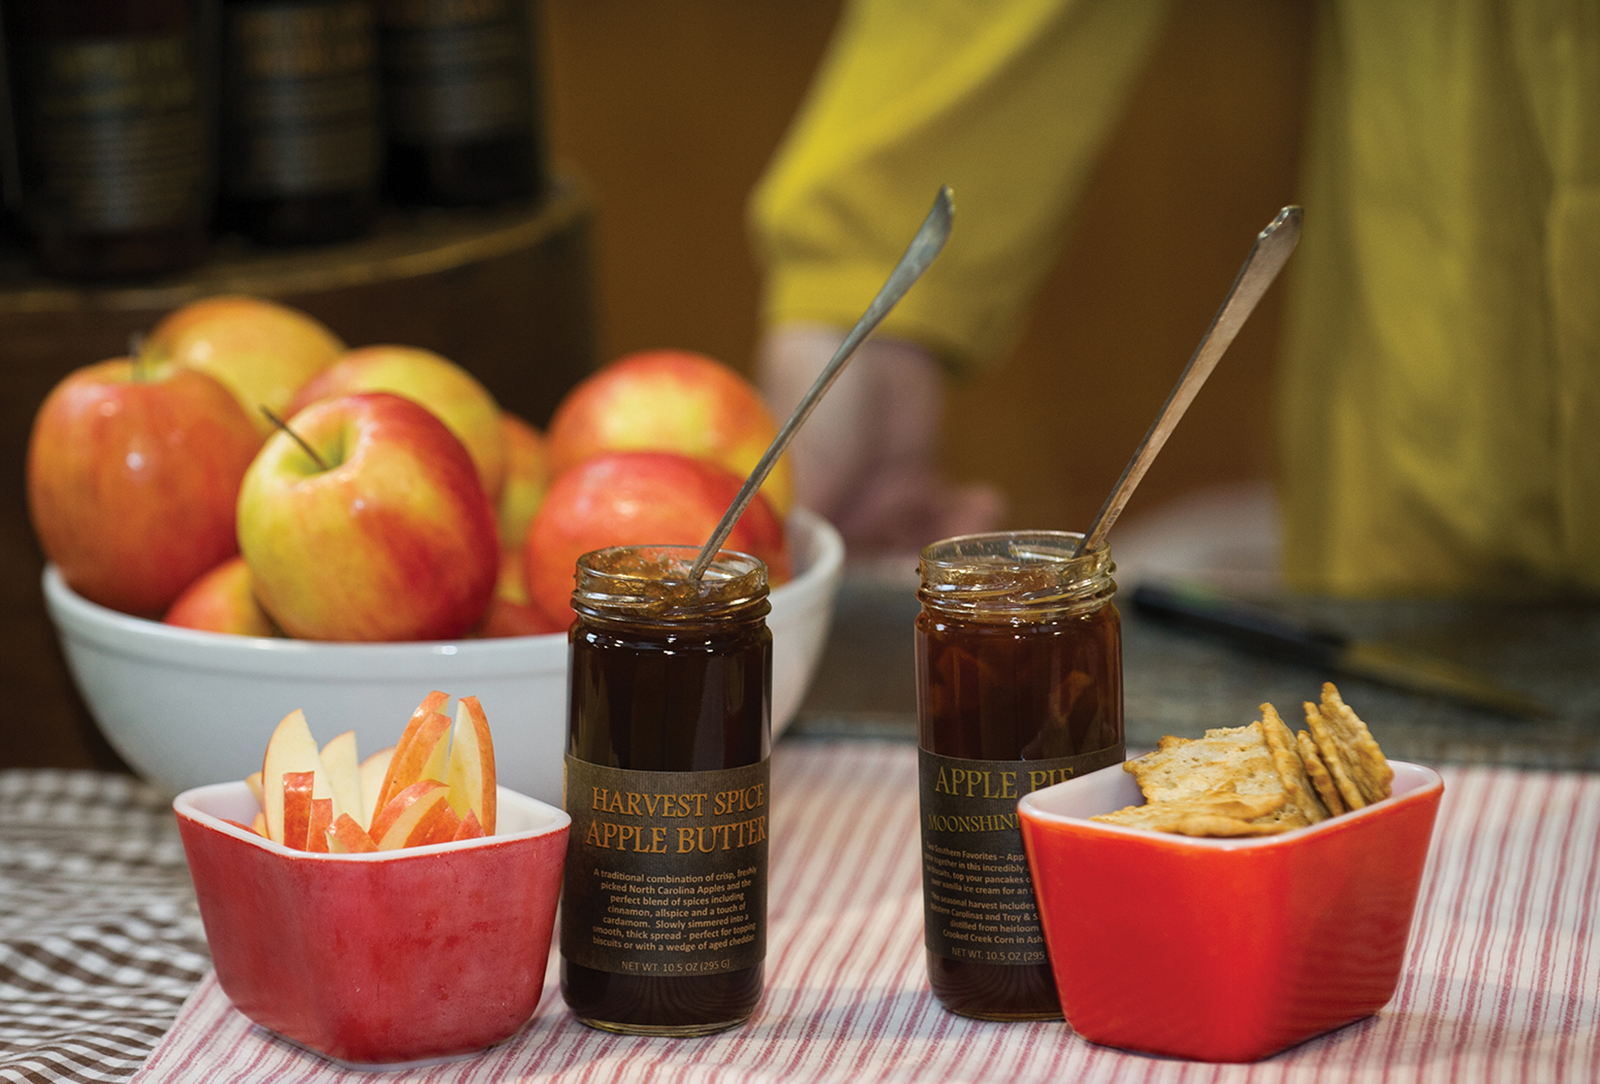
1030, 572
653, 581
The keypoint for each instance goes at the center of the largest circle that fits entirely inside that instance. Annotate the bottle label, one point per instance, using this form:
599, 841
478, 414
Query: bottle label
456, 69
666, 872
115, 138
302, 100
977, 897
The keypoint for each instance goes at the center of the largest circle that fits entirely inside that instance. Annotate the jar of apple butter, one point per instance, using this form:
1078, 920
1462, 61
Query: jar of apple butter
664, 896
1019, 686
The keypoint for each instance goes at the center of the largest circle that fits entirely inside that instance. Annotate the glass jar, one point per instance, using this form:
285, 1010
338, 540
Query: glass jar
1019, 685
663, 927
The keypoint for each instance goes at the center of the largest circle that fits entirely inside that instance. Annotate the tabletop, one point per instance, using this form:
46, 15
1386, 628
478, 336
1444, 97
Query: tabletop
104, 974
1502, 980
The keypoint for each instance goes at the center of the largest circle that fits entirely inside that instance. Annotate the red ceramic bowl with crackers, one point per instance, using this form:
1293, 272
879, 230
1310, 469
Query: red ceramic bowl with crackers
1224, 950
387, 958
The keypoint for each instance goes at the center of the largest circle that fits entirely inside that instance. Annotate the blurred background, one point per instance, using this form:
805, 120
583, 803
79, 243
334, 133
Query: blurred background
650, 125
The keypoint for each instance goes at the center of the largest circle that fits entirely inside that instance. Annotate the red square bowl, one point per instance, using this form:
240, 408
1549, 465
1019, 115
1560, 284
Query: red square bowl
1224, 949
406, 956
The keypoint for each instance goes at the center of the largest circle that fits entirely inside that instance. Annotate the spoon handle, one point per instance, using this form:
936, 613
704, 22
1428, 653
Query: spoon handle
930, 238
1267, 257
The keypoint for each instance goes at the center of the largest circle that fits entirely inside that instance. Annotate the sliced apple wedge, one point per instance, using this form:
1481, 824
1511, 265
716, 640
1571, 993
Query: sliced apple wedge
422, 754
259, 825
290, 749
317, 827
345, 836
416, 814
470, 828
253, 781
420, 719
297, 788
373, 771
344, 771
470, 772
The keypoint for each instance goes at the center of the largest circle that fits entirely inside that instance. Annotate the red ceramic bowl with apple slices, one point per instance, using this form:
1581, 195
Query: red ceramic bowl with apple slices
396, 957
1224, 950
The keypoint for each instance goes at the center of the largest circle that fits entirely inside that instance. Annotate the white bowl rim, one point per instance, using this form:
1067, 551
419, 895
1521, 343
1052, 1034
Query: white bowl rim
187, 805
1411, 782
142, 638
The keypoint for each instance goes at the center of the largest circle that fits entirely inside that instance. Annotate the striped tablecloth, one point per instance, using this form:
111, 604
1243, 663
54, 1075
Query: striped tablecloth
1502, 981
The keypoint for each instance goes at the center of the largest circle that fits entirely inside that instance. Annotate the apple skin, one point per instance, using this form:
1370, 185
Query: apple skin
132, 479
510, 612
640, 498
262, 351
445, 388
527, 480
670, 401
395, 541
223, 600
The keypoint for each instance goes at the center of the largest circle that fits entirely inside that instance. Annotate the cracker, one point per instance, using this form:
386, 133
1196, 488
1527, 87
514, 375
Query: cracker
1364, 760
1331, 750
1222, 812
1318, 773
1303, 806
1184, 767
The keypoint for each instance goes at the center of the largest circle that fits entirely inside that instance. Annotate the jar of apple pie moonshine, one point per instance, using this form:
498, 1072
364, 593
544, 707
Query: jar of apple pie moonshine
664, 896
1019, 685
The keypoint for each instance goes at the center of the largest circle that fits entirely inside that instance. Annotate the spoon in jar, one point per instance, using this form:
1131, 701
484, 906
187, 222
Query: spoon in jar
929, 239
1267, 257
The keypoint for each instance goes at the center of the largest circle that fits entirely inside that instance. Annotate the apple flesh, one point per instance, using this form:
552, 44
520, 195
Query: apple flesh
132, 475
443, 387
470, 770
291, 752
671, 401
391, 539
640, 498
223, 600
262, 351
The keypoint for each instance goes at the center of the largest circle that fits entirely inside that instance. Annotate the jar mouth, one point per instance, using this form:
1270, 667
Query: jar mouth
1023, 572
653, 582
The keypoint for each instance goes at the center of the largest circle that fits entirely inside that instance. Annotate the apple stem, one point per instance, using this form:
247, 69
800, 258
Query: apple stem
136, 355
296, 437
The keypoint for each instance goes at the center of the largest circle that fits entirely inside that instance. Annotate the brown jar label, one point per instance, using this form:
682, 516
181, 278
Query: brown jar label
666, 872
977, 896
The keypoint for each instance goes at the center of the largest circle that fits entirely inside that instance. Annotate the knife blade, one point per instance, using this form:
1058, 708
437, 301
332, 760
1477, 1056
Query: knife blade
1278, 635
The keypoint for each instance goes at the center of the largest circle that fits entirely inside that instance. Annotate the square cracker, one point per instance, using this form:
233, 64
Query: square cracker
1303, 806
1185, 767
1220, 812
1318, 773
1364, 761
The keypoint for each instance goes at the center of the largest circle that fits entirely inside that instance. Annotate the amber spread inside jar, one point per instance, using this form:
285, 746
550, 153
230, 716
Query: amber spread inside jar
1019, 685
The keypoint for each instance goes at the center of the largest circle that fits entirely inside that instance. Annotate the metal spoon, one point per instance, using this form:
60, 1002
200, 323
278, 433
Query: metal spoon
1267, 257
930, 238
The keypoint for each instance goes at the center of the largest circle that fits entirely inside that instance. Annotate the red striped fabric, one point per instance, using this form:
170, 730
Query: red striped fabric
1502, 981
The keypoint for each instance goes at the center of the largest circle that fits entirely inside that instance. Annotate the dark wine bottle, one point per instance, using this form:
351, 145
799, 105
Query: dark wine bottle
112, 153
301, 152
461, 104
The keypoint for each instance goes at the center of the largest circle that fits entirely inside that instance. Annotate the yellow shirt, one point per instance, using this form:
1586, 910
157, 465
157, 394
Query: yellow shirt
1439, 421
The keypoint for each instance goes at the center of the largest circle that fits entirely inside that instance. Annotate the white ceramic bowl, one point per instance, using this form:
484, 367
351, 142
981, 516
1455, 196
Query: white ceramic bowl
186, 708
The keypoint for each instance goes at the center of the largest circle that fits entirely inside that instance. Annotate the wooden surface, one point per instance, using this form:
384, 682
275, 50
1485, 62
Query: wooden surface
505, 293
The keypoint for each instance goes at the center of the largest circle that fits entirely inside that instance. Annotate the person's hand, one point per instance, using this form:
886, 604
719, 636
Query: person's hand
867, 458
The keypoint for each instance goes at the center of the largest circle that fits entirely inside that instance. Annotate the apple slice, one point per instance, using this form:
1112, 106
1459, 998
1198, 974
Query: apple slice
425, 711
297, 788
415, 816
470, 828
317, 826
470, 772
253, 781
259, 825
290, 749
345, 836
373, 771
423, 757
344, 772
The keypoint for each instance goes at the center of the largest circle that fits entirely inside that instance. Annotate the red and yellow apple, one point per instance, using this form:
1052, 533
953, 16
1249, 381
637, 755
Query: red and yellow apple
390, 537
526, 482
262, 351
222, 600
445, 388
132, 474
670, 401
511, 613
640, 498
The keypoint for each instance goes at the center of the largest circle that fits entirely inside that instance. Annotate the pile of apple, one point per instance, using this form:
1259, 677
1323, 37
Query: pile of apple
245, 472
436, 785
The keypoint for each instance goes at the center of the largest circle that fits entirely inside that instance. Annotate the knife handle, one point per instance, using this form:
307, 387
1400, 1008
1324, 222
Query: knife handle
1252, 627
